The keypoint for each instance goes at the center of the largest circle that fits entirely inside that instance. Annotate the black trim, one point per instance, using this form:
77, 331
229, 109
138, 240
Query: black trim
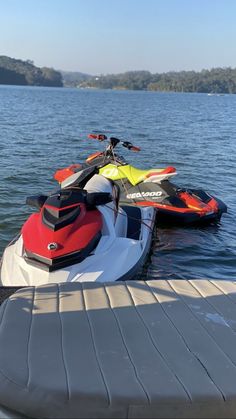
199, 193
97, 198
174, 201
55, 220
146, 249
66, 197
51, 265
105, 159
36, 201
59, 209
134, 215
86, 174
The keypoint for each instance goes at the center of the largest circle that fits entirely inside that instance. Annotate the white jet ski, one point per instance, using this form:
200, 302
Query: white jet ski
79, 235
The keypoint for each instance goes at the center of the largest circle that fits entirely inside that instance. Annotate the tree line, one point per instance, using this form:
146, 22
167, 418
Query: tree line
216, 80
18, 72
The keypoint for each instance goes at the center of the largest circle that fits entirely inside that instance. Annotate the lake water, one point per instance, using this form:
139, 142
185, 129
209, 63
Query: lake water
42, 129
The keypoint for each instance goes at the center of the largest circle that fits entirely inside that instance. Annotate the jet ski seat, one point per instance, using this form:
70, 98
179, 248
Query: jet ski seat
135, 175
99, 183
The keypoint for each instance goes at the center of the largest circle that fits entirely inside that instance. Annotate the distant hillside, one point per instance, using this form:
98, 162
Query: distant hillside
20, 72
74, 78
216, 80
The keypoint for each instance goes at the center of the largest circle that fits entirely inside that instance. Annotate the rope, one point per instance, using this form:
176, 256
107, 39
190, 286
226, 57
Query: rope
130, 217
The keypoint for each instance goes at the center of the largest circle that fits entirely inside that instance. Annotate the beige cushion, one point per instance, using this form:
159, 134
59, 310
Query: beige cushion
157, 349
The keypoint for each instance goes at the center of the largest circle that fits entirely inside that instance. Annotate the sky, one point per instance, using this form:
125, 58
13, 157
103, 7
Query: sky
114, 36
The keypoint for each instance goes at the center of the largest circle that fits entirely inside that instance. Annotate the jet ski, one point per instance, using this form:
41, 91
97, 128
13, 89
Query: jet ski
151, 187
79, 234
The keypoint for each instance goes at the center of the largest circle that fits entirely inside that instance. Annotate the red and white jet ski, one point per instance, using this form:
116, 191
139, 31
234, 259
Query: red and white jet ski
79, 235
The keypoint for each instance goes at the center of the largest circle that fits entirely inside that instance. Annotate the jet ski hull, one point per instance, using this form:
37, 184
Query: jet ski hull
190, 218
173, 205
114, 258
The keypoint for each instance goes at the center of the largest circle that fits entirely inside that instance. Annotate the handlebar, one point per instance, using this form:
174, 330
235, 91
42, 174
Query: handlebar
130, 146
114, 141
99, 137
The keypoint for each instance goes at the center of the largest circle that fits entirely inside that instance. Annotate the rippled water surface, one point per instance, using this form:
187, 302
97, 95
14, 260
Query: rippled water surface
42, 129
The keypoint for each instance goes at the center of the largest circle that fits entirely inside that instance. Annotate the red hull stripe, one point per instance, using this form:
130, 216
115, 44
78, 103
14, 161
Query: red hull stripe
169, 169
200, 212
61, 209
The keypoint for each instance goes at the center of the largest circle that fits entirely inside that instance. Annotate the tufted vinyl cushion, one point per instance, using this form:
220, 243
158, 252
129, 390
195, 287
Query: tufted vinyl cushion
119, 350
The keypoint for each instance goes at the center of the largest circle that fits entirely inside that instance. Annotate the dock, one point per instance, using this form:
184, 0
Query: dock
137, 349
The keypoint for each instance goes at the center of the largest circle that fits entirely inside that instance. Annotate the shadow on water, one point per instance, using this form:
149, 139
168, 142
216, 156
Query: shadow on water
191, 252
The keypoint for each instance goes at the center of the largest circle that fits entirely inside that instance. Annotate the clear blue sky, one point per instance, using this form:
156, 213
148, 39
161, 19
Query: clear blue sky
112, 36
